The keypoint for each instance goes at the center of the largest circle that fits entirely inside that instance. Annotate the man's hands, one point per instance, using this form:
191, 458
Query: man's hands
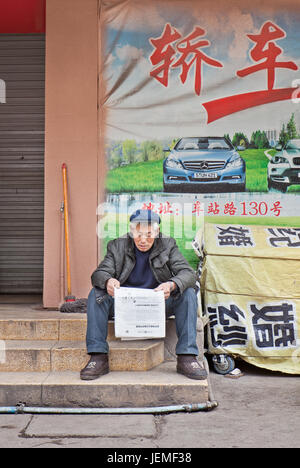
167, 288
111, 284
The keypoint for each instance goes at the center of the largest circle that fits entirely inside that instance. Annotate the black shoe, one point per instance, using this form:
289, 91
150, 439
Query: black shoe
98, 365
188, 365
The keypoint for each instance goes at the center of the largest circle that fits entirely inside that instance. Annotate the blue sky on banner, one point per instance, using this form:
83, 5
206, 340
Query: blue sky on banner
140, 107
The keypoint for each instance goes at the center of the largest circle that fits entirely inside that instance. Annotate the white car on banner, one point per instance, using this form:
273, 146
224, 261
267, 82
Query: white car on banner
284, 167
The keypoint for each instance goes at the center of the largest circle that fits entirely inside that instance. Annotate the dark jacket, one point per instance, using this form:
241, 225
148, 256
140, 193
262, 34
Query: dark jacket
166, 262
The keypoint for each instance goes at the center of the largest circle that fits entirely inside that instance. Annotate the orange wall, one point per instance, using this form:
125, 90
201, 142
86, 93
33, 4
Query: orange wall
71, 137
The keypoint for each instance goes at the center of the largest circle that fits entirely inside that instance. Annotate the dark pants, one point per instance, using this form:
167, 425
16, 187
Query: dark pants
183, 307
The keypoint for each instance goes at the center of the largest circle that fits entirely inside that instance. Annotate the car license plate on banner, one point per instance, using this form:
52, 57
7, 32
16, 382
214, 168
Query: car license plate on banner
205, 175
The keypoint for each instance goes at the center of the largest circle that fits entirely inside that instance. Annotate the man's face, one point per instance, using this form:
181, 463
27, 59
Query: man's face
144, 236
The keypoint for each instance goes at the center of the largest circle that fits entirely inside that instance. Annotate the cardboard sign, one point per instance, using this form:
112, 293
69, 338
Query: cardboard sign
251, 291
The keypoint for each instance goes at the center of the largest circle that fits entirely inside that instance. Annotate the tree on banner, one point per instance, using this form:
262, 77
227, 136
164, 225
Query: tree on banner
288, 132
291, 128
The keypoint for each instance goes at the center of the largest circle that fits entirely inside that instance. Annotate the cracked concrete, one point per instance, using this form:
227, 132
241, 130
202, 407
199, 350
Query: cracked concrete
261, 409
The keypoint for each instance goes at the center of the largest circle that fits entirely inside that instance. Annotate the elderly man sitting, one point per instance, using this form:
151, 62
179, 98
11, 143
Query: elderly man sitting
143, 258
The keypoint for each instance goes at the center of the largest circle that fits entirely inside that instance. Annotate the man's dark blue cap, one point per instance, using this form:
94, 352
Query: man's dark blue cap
145, 216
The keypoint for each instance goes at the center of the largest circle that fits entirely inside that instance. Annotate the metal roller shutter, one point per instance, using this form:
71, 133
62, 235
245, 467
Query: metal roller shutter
22, 121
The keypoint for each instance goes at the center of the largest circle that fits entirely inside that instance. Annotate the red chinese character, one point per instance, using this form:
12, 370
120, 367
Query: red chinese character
230, 209
149, 206
197, 208
213, 208
187, 47
276, 208
164, 52
165, 208
267, 54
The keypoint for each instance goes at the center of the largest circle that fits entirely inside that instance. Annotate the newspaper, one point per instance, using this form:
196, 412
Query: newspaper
139, 313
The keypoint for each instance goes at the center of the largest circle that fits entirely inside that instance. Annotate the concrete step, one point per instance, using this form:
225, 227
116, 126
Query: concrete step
21, 323
46, 356
42, 340
161, 386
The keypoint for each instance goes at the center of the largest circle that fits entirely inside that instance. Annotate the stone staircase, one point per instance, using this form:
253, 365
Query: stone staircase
42, 352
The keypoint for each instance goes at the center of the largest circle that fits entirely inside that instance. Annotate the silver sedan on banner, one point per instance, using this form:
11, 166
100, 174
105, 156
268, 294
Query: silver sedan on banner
211, 163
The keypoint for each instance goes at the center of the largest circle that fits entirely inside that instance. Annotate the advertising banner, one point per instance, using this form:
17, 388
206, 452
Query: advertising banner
200, 120
199, 107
